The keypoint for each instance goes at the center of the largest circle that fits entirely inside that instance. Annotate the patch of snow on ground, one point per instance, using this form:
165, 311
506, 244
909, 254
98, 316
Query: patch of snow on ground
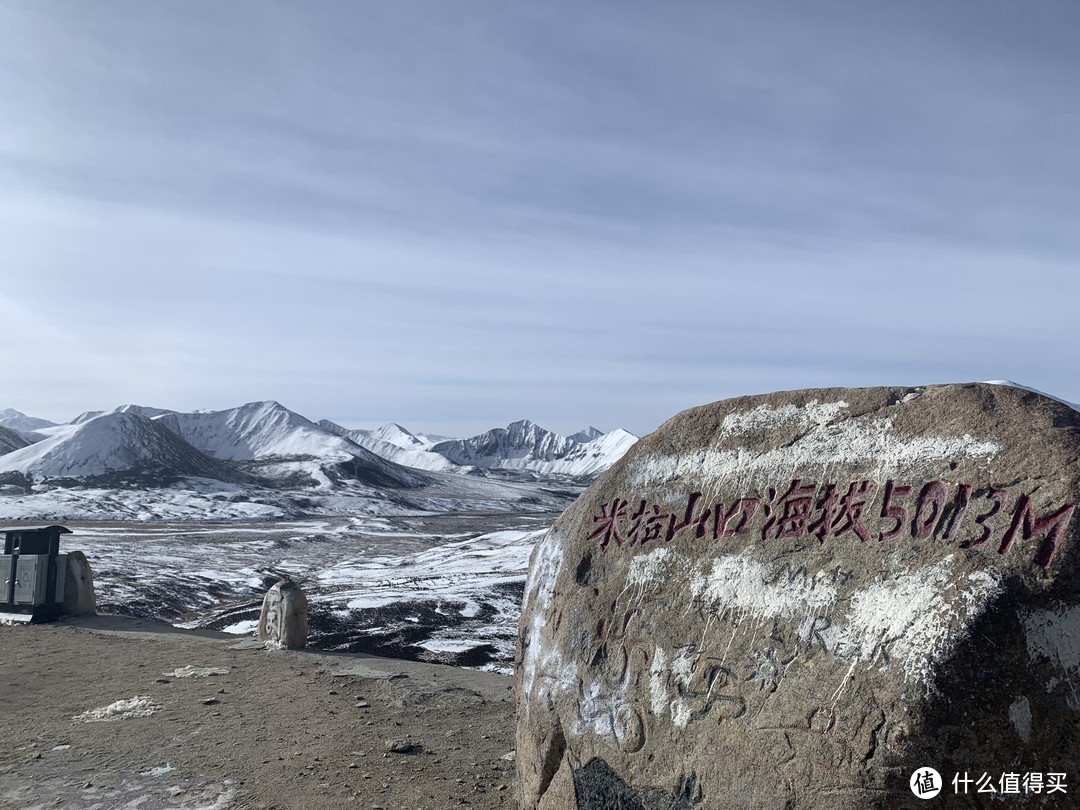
248, 627
138, 706
190, 671
381, 584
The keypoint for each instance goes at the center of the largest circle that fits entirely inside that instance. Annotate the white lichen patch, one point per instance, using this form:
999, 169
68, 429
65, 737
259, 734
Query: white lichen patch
749, 588
138, 706
820, 454
913, 619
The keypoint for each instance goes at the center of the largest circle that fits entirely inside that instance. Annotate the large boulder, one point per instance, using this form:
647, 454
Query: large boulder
808, 598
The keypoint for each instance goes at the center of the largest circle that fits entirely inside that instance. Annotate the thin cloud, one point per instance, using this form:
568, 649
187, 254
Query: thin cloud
574, 212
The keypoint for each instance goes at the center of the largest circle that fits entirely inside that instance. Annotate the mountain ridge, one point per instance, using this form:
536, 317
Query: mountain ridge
267, 441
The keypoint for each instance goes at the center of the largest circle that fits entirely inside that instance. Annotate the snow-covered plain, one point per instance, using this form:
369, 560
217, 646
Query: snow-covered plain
432, 587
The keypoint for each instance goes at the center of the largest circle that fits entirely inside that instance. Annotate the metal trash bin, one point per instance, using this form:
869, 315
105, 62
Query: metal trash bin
32, 573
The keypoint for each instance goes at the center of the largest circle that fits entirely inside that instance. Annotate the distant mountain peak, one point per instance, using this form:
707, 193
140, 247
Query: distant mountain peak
143, 410
524, 445
19, 421
110, 443
586, 435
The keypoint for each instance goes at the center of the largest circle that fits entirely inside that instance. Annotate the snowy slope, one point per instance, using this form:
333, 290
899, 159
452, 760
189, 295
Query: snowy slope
396, 434
255, 431
443, 588
597, 455
395, 444
524, 445
112, 443
587, 435
11, 440
141, 410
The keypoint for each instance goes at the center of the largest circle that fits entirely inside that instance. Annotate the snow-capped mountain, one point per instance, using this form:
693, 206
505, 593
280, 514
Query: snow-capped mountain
262, 439
396, 444
261, 459
256, 430
396, 434
597, 455
512, 447
268, 431
524, 445
141, 410
112, 443
21, 423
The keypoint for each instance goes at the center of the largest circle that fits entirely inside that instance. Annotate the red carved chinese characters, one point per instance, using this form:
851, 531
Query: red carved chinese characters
931, 512
789, 513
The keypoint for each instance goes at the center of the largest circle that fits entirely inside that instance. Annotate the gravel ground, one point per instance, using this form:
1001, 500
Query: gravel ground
272, 729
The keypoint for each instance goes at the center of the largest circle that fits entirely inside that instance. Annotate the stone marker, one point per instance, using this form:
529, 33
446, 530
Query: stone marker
79, 596
804, 599
283, 620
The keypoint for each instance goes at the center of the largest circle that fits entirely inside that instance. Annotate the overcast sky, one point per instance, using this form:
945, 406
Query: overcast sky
457, 214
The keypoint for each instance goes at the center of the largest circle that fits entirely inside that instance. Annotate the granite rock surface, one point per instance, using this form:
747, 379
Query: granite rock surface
802, 598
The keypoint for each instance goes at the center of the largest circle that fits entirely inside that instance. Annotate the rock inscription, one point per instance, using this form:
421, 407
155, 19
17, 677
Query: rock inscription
939, 511
798, 599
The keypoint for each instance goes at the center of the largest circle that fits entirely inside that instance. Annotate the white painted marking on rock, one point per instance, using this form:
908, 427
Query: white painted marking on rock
1054, 635
742, 584
912, 616
658, 695
644, 568
161, 770
542, 659
868, 442
682, 671
767, 417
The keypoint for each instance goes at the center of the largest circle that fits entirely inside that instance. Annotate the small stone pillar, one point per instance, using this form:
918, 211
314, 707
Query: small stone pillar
283, 620
79, 597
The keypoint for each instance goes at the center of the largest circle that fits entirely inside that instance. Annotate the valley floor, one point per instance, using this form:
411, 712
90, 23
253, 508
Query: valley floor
436, 587
273, 729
